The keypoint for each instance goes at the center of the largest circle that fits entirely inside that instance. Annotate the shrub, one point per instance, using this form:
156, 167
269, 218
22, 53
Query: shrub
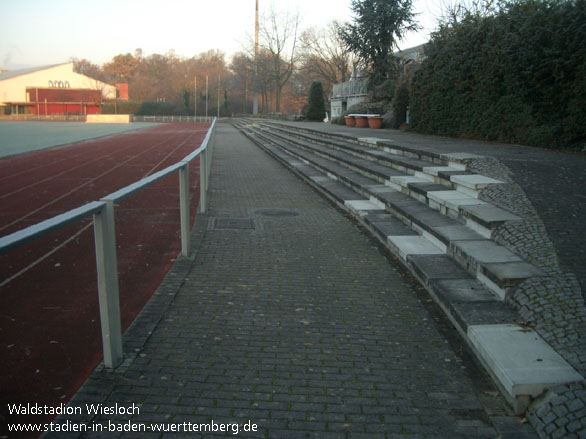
517, 75
316, 107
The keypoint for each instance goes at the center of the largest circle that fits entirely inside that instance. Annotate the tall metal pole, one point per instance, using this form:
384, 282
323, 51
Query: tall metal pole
218, 96
195, 99
207, 96
255, 101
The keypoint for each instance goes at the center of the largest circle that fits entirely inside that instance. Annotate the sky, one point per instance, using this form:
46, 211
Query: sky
43, 32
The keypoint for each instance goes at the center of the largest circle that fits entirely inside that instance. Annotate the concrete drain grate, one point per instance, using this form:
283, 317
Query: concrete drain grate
277, 212
233, 223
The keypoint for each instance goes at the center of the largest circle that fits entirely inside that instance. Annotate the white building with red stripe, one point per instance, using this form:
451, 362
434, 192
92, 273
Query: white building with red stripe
51, 90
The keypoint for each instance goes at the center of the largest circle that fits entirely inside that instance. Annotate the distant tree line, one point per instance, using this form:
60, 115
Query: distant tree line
288, 62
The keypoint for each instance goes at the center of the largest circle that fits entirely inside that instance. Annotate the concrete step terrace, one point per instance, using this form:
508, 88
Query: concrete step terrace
440, 230
443, 188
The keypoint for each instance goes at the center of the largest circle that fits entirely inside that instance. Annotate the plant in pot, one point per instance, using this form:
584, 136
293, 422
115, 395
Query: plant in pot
350, 121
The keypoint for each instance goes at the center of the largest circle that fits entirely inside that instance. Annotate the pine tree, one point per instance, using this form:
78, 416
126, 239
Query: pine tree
316, 107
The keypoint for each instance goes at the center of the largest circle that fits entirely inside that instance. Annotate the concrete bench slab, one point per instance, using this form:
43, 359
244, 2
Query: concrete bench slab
435, 267
375, 216
370, 140
456, 203
510, 274
404, 246
320, 179
447, 175
435, 170
426, 188
361, 206
340, 191
468, 302
482, 313
488, 215
424, 218
474, 181
441, 197
464, 290
521, 362
457, 233
448, 202
380, 189
459, 157
392, 227
402, 181
483, 252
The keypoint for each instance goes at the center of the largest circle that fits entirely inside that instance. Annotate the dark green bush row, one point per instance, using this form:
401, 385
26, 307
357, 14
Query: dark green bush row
518, 75
122, 107
151, 108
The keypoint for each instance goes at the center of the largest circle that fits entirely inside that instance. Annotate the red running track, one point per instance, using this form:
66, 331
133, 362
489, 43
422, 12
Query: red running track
50, 338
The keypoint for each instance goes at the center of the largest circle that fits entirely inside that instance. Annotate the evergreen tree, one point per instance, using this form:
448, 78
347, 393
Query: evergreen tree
316, 107
373, 35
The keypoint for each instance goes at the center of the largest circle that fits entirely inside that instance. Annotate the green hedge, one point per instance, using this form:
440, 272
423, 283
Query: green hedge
122, 107
516, 76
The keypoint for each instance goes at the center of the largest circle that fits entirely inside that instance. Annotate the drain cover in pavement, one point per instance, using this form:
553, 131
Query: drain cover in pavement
277, 212
233, 223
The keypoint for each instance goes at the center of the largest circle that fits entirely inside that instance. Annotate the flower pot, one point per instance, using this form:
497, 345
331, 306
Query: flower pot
361, 122
375, 122
350, 122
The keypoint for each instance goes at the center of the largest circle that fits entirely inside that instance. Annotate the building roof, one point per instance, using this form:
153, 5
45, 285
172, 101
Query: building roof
14, 73
411, 52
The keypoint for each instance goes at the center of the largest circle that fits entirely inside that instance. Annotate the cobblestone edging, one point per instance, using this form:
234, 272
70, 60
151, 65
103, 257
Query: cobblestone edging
553, 305
561, 413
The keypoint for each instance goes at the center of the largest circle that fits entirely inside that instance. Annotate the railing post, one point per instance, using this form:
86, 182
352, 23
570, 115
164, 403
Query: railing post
107, 267
203, 180
210, 153
184, 207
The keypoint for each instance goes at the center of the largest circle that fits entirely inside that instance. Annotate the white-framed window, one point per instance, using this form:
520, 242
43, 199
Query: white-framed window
66, 84
50, 84
60, 84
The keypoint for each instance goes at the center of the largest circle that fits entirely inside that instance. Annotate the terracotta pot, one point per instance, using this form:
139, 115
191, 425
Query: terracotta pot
361, 122
350, 122
375, 122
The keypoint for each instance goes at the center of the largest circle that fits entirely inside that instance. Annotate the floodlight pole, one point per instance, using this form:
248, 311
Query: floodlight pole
195, 100
207, 96
255, 101
218, 96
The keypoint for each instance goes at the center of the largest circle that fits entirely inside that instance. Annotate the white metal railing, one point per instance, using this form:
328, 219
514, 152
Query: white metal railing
105, 237
356, 87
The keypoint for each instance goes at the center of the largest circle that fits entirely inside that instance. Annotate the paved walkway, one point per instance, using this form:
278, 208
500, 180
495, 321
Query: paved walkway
290, 317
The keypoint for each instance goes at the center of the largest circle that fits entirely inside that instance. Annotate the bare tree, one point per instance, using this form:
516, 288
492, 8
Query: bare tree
454, 11
279, 38
324, 55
